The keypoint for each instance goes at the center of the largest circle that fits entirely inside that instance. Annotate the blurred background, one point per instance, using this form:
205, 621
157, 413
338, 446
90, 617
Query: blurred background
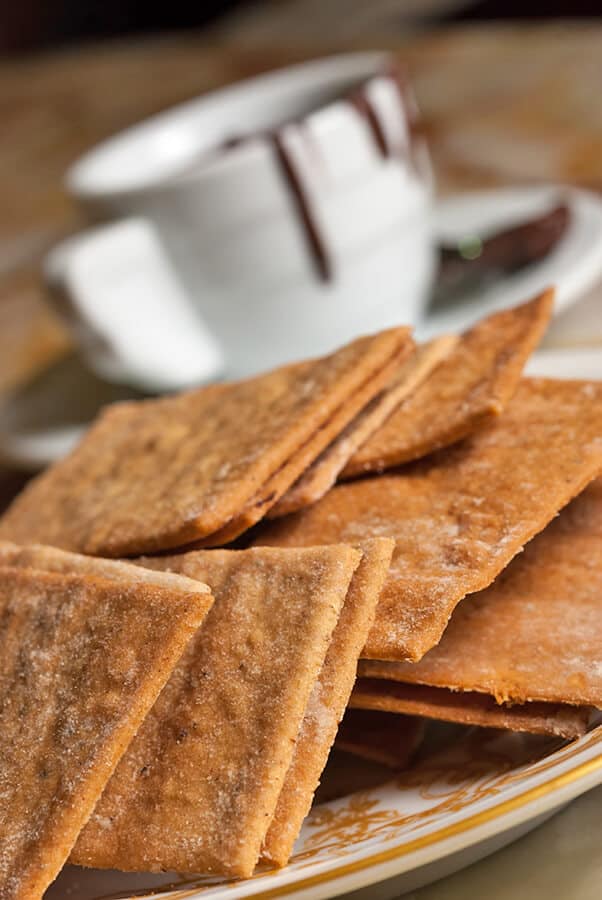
509, 92
32, 24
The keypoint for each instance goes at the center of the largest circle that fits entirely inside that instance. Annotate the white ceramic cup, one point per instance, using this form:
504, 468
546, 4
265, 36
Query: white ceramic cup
262, 223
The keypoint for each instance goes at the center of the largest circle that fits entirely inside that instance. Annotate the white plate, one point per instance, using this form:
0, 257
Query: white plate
484, 789
573, 267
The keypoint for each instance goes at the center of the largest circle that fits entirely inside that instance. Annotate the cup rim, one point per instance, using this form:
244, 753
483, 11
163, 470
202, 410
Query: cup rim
82, 181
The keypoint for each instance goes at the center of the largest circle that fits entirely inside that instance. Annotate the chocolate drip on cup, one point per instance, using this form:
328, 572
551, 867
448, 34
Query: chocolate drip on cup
362, 103
298, 190
297, 181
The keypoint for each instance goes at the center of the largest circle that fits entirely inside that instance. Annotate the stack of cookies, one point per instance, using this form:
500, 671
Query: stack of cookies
185, 598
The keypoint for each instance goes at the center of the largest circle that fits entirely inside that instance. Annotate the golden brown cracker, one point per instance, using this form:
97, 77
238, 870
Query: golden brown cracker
383, 737
51, 559
320, 476
328, 701
469, 708
81, 662
197, 788
460, 516
279, 483
536, 632
161, 473
470, 386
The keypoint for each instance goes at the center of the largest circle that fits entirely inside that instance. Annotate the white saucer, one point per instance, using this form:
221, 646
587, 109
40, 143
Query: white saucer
41, 421
45, 419
573, 267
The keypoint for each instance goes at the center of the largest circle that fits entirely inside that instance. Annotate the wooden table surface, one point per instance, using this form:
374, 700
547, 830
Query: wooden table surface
501, 105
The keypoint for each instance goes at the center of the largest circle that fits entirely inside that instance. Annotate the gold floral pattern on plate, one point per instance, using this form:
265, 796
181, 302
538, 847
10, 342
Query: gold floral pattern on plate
480, 773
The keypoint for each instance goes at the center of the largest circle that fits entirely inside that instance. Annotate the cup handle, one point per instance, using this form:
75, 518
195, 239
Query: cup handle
119, 294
